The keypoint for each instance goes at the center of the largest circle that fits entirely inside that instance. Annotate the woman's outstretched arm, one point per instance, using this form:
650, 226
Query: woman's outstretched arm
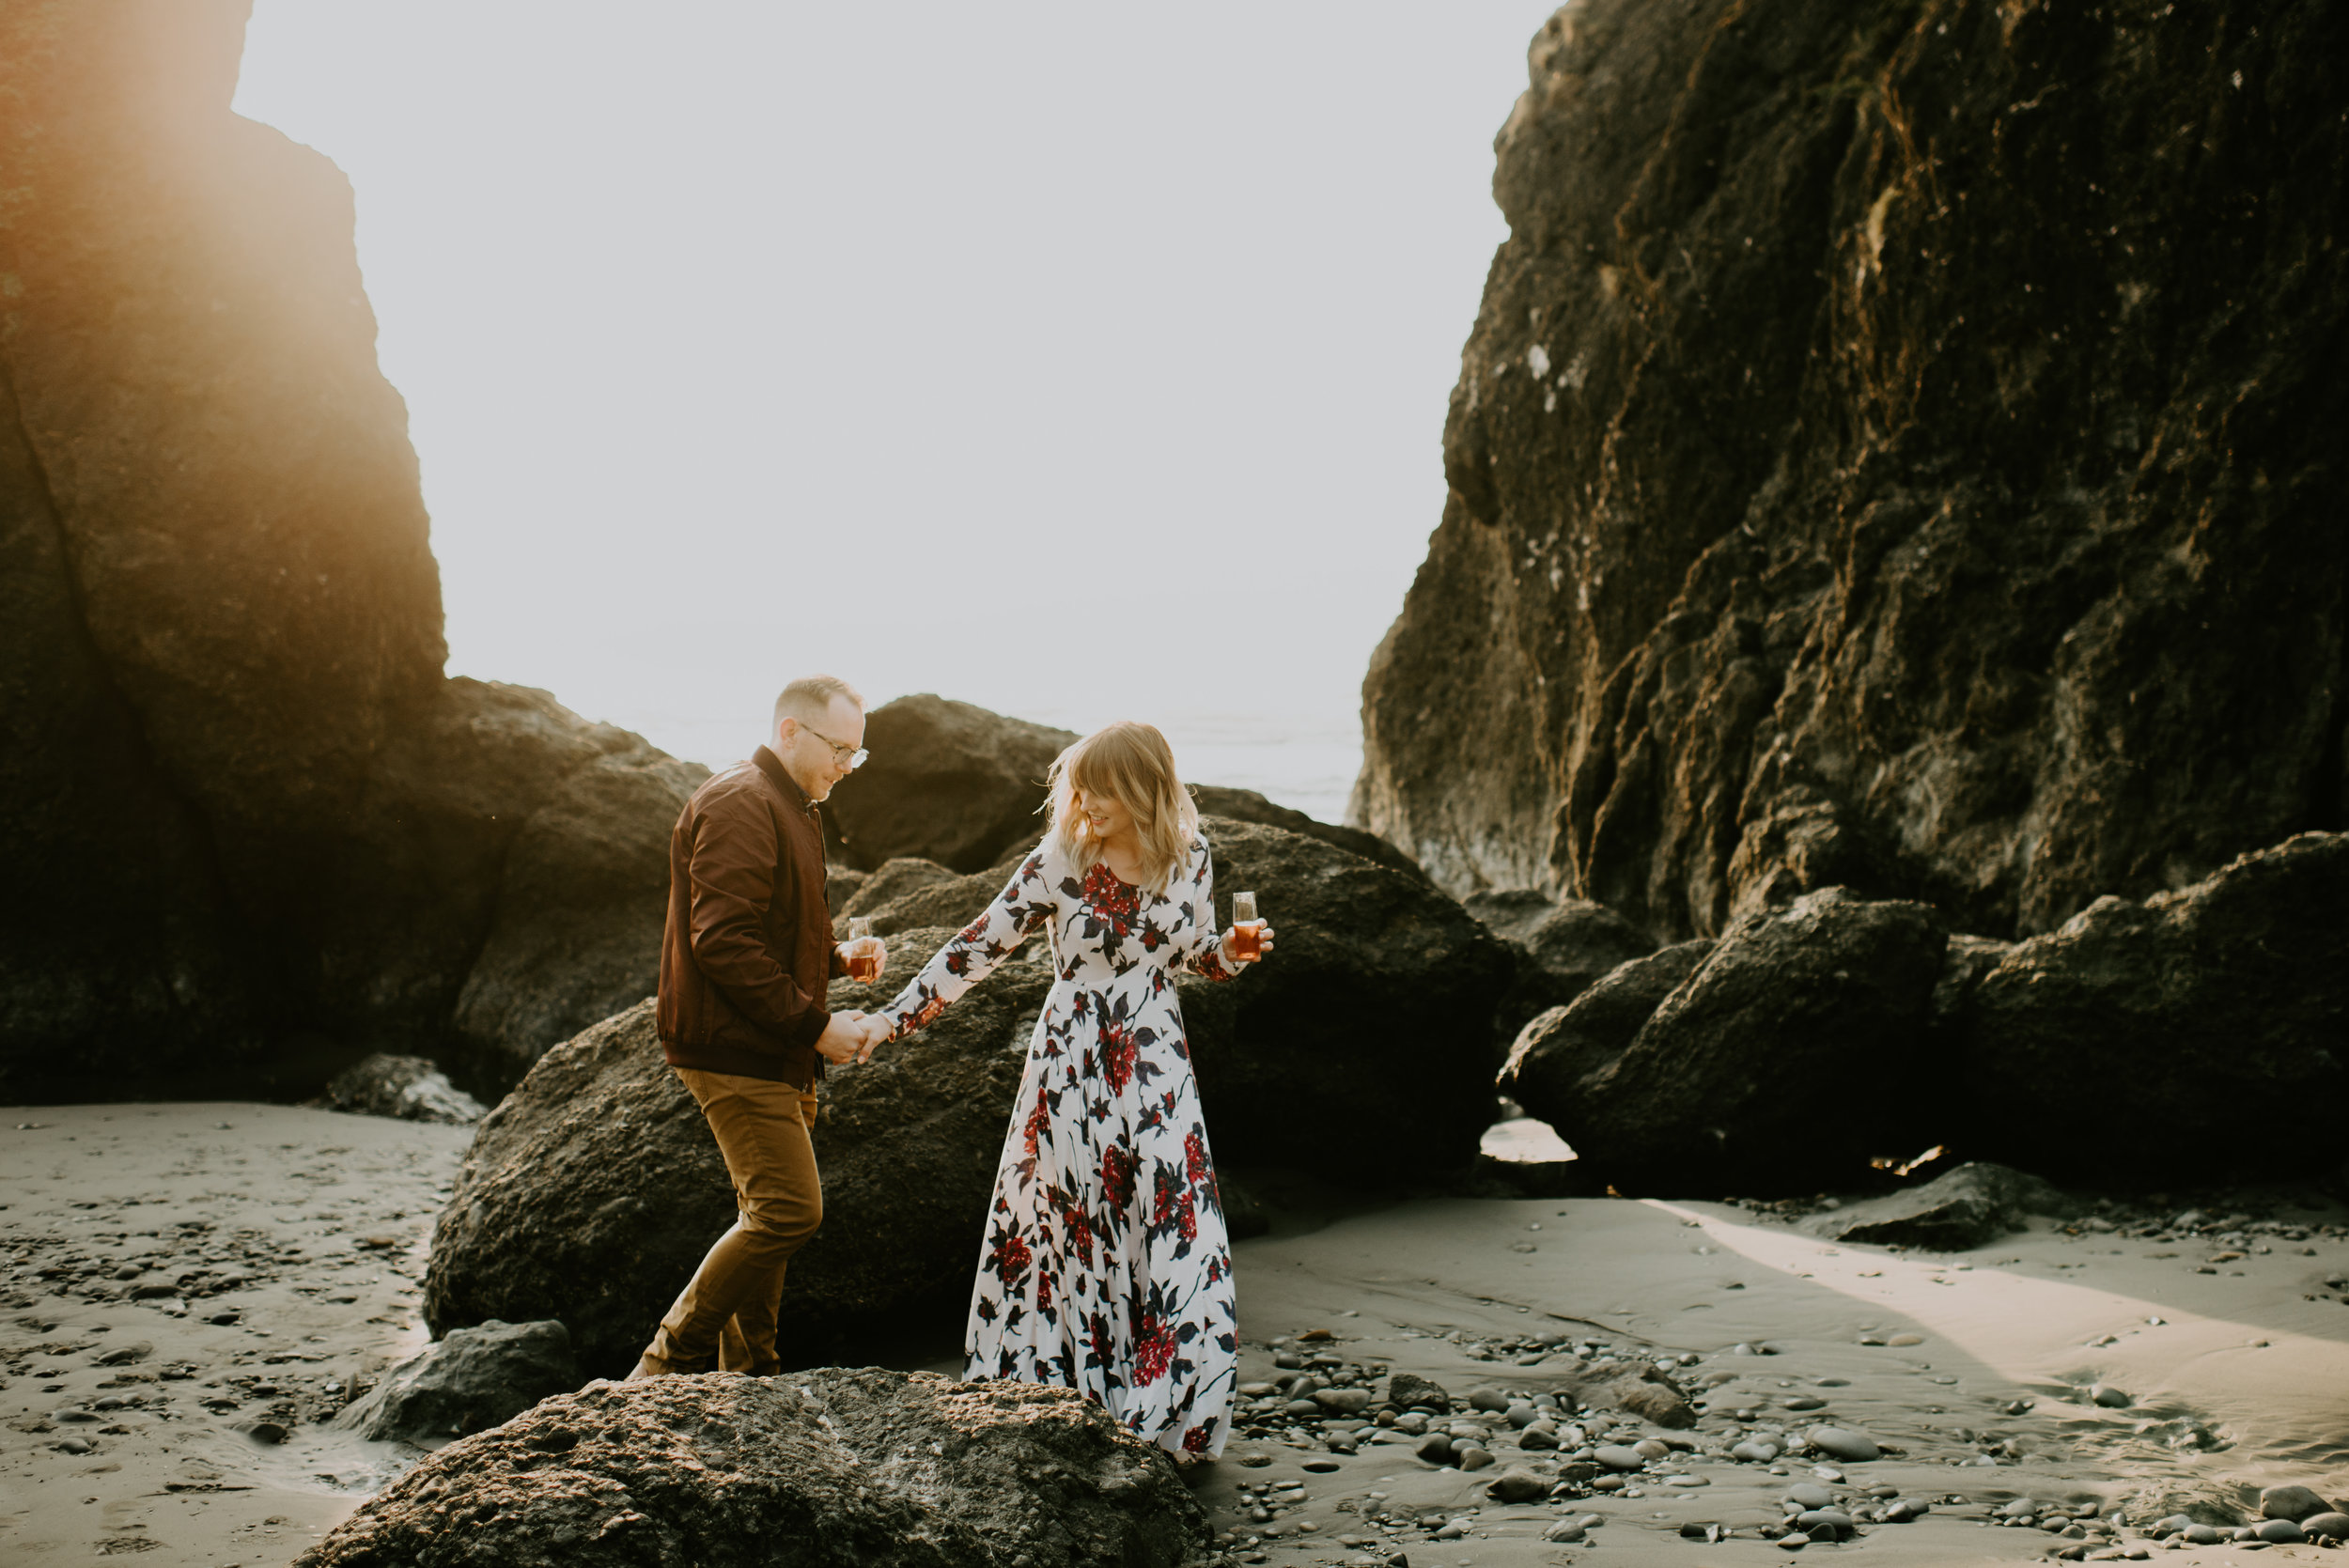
1201, 944
1023, 907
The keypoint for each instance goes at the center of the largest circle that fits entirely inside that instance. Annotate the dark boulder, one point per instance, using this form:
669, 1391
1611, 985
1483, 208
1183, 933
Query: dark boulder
1969, 1206
1786, 1061
947, 782
822, 1469
912, 896
1897, 448
592, 1193
221, 637
1562, 949
1246, 805
1560, 1052
474, 1379
2179, 1021
892, 880
1374, 1010
408, 1087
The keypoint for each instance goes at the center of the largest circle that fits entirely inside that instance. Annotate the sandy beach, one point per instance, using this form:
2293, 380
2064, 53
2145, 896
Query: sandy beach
187, 1283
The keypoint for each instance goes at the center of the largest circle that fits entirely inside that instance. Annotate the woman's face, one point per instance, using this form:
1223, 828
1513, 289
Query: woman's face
1105, 816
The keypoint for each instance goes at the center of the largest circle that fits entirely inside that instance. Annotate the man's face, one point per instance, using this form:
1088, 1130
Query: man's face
808, 750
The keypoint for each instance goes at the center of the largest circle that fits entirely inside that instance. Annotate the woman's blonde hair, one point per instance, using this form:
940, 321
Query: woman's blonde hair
1132, 765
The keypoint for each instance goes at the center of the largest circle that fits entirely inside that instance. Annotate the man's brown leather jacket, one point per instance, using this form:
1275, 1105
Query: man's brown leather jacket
748, 951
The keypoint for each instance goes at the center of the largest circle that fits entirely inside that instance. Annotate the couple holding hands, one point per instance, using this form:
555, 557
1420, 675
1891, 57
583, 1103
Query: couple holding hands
1105, 1265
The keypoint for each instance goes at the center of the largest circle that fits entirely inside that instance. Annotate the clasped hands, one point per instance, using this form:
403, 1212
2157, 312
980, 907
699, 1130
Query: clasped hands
851, 1037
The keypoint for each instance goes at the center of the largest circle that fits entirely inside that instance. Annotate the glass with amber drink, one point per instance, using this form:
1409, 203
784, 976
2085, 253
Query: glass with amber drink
864, 950
1247, 929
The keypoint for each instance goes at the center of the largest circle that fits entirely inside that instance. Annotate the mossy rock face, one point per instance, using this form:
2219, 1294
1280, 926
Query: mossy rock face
1898, 448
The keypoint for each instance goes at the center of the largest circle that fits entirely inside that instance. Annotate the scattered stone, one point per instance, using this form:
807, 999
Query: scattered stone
1804, 1495
1755, 1451
1617, 1456
1843, 1443
2110, 1397
2278, 1531
1436, 1448
1488, 1398
2332, 1522
1343, 1401
1516, 1485
1901, 1340
471, 1380
1405, 1390
1471, 1456
2289, 1502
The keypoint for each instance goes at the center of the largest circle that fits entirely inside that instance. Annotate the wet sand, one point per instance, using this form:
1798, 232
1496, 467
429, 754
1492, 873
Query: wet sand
2243, 1382
132, 1231
305, 1230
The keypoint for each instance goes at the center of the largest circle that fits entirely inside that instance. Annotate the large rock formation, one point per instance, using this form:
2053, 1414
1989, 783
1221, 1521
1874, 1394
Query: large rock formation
1785, 1061
951, 783
820, 1470
1898, 448
1372, 1020
591, 1193
2178, 1025
251, 830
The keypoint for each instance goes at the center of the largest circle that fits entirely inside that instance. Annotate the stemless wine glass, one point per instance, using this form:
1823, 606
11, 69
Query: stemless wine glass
864, 950
1247, 930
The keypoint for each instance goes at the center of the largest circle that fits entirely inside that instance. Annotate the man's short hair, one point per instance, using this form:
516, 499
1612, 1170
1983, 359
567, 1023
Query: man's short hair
810, 697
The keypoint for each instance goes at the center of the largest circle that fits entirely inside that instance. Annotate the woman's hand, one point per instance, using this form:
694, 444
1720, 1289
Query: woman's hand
876, 1031
1231, 944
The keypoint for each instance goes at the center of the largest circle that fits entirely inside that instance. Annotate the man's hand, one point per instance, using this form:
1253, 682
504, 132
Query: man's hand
876, 1033
843, 1038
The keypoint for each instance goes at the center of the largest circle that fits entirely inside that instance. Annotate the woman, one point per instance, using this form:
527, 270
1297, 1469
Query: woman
1106, 1267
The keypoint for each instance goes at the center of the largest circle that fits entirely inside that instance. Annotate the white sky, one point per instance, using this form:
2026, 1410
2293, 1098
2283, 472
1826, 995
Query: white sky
1055, 357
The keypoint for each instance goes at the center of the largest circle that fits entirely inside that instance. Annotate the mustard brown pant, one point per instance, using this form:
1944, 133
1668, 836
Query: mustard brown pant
728, 1307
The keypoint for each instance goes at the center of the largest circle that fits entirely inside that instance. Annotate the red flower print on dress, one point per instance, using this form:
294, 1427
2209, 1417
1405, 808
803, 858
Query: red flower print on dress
1043, 1290
1119, 1047
1077, 1234
1039, 1121
1195, 1440
1154, 1347
1195, 1157
1121, 902
1010, 1258
1118, 1169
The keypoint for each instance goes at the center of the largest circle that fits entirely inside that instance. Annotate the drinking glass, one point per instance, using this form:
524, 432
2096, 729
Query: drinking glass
864, 950
1247, 930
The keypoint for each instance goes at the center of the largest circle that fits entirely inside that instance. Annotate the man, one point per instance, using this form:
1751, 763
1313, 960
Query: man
744, 965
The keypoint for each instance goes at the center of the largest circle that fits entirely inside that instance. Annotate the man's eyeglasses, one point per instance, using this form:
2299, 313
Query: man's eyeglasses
849, 757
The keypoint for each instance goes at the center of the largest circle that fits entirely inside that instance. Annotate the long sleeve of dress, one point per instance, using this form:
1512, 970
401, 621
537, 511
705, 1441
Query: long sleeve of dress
1202, 944
1024, 907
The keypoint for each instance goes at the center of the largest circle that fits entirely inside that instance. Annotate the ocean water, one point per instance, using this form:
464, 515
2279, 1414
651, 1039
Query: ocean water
1305, 760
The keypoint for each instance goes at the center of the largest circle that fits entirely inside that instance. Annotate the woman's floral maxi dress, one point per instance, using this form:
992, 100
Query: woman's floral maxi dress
1106, 1267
